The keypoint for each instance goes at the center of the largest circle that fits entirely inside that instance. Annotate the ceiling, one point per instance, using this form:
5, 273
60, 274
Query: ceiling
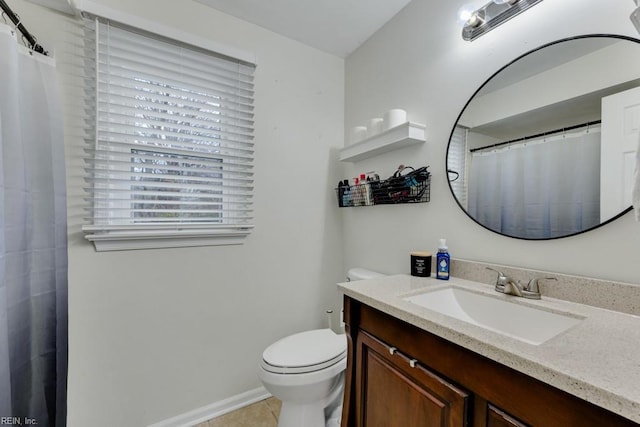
334, 26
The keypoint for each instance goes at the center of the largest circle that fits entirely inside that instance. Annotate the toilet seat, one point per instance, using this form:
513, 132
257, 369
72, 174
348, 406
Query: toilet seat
305, 352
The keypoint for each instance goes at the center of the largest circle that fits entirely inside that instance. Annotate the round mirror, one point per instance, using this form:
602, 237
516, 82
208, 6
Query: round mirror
546, 147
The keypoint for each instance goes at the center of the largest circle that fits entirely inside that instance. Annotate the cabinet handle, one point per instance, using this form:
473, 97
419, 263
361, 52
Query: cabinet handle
412, 363
392, 350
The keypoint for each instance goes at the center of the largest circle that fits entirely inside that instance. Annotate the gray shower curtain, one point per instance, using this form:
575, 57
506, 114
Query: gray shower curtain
540, 189
33, 239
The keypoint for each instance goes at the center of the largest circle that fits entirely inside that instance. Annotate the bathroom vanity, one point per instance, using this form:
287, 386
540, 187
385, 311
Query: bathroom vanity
409, 365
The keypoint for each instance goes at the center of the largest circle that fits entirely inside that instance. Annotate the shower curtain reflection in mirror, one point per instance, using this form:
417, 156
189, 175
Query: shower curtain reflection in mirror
538, 189
33, 239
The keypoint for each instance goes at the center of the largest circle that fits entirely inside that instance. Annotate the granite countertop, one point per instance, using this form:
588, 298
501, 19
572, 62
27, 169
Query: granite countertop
597, 360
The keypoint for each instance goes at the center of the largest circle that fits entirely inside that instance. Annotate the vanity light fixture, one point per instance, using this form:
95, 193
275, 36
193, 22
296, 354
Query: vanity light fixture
493, 14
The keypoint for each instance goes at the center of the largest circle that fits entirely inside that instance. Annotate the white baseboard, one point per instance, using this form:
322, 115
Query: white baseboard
216, 409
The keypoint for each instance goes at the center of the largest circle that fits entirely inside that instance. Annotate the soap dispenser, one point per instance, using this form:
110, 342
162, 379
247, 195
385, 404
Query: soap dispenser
442, 261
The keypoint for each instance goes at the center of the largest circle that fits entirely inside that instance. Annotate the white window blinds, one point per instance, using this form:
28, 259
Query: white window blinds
169, 144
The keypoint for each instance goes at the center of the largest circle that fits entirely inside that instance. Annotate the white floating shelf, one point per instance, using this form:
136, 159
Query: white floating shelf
395, 138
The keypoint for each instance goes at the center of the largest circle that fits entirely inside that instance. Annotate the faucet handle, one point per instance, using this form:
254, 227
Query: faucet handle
502, 279
533, 284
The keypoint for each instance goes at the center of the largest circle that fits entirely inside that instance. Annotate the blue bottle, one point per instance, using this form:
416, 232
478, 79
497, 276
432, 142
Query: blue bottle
442, 261
346, 194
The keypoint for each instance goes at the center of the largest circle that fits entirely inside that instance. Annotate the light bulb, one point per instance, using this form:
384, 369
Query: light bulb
464, 14
474, 20
505, 1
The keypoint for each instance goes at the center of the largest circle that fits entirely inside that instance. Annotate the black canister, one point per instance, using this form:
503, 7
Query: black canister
421, 264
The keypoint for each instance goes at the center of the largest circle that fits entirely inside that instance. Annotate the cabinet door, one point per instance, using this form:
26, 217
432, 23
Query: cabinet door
499, 418
396, 391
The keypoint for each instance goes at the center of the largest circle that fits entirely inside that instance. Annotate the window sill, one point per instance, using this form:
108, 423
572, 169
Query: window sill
123, 238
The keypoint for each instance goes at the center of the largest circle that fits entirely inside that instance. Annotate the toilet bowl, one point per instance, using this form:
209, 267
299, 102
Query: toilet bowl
306, 372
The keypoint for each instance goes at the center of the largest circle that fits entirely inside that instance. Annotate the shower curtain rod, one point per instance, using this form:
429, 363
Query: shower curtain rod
524, 138
33, 42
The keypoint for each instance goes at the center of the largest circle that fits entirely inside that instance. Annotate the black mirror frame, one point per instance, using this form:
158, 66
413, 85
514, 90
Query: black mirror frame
630, 208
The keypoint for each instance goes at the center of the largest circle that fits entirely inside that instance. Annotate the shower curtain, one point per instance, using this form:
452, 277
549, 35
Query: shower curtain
539, 189
33, 240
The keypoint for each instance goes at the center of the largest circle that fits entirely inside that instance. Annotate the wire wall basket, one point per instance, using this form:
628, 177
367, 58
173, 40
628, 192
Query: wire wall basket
411, 188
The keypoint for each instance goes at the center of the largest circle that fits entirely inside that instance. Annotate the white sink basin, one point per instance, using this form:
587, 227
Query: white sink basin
526, 323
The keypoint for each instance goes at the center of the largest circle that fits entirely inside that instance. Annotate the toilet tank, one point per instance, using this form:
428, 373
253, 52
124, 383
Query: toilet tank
361, 274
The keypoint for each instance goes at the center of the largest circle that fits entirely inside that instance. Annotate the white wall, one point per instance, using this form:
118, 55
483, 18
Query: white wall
157, 333
419, 62
561, 84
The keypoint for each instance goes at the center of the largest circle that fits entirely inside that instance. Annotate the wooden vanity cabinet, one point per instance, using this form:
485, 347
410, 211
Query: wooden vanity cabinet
399, 375
498, 418
396, 390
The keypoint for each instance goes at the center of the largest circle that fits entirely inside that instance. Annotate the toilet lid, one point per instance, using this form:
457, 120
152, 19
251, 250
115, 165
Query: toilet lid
305, 351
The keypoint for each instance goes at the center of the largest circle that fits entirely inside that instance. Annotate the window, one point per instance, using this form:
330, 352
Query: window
170, 186
169, 144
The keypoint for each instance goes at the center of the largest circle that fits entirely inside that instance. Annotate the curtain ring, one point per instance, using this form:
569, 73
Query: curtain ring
4, 17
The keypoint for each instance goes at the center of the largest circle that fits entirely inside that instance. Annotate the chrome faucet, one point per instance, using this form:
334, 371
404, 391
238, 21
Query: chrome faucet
533, 289
512, 288
503, 281
507, 285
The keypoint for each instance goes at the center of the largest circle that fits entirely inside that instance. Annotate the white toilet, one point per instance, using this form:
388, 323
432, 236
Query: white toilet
306, 372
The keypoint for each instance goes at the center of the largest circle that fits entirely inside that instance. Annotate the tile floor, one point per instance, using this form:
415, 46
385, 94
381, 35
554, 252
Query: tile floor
260, 414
